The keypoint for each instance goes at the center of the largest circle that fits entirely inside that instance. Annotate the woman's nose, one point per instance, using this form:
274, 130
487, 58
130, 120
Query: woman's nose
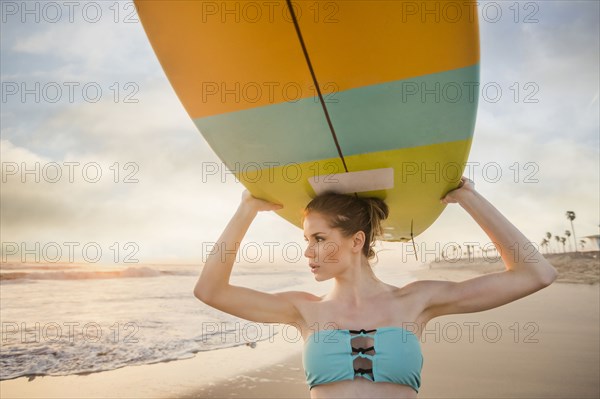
309, 252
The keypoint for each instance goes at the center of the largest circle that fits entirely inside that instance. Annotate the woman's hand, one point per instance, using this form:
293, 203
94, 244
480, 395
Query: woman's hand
466, 187
258, 204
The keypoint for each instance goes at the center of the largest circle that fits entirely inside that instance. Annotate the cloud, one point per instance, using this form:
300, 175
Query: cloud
169, 210
547, 71
81, 49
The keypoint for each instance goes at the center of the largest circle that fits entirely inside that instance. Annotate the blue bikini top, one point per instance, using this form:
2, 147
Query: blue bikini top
394, 357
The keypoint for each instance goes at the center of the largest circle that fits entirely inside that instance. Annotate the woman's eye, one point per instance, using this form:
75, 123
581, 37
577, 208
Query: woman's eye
316, 238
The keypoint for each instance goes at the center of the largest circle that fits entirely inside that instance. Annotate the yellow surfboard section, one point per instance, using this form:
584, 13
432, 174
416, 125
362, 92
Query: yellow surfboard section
428, 170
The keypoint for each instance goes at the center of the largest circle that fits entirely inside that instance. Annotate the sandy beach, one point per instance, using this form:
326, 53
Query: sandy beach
544, 345
572, 267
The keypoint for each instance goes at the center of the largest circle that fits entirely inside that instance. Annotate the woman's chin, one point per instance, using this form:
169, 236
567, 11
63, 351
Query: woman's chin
321, 278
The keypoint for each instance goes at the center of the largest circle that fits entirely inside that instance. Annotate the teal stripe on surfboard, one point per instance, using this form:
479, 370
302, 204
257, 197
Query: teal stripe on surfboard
366, 119
388, 116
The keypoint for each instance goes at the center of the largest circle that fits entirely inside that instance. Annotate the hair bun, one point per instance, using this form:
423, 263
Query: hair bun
379, 207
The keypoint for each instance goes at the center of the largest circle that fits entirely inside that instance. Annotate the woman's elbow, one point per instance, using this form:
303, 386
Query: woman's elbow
549, 275
202, 293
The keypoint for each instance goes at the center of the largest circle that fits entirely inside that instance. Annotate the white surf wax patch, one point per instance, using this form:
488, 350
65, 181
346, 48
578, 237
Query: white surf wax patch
354, 182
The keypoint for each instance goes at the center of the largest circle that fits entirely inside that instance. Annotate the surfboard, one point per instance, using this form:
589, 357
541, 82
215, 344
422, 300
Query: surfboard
376, 98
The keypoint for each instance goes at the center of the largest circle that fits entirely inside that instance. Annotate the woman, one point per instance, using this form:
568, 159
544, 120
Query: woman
362, 338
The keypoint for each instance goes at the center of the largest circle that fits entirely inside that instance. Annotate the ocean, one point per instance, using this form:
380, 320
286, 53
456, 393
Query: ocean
79, 319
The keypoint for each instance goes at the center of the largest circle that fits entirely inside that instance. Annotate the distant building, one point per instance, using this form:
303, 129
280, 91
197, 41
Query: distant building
593, 242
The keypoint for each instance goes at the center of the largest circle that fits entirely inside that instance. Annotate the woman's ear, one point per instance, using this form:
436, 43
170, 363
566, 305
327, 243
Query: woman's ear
359, 241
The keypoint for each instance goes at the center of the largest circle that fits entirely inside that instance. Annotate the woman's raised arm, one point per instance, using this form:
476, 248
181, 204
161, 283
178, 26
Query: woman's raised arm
213, 286
527, 271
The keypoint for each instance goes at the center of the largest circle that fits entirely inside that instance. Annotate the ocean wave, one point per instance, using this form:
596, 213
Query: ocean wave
29, 266
82, 356
130, 272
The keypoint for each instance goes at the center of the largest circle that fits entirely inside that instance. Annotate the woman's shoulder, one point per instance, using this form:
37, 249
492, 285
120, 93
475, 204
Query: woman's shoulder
422, 290
304, 302
299, 296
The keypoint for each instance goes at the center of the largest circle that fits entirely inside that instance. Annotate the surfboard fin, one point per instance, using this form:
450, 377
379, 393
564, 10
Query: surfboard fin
412, 238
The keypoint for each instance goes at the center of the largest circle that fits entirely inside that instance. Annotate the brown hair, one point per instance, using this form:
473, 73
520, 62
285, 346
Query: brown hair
351, 214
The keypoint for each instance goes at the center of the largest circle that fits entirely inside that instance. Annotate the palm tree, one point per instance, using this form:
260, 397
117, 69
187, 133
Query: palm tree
568, 234
557, 238
549, 237
544, 244
582, 243
571, 217
563, 240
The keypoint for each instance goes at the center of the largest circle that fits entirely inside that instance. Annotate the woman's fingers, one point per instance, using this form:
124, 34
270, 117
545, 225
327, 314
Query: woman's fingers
259, 204
465, 184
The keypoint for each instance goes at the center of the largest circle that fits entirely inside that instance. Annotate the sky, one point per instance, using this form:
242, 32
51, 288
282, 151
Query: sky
101, 163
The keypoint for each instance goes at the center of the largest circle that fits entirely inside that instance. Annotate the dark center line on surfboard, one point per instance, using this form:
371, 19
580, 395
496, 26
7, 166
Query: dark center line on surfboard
314, 78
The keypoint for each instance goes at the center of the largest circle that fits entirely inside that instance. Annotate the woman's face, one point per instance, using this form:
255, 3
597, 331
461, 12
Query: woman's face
328, 251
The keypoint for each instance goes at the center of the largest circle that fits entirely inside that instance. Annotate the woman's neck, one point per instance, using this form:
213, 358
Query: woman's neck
357, 285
